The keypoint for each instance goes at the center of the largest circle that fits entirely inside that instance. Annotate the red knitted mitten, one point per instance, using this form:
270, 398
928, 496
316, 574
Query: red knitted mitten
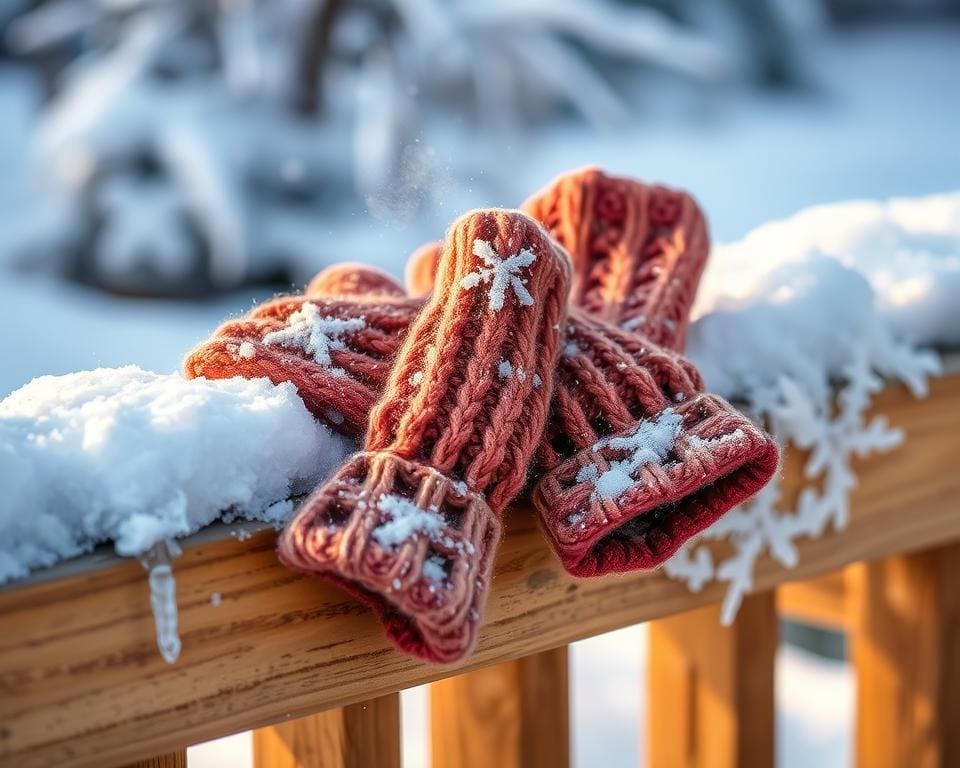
639, 459
337, 352
614, 385
638, 250
352, 279
411, 524
596, 396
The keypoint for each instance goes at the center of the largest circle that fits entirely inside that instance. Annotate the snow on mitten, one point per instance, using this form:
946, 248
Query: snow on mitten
411, 524
337, 352
639, 458
354, 279
638, 250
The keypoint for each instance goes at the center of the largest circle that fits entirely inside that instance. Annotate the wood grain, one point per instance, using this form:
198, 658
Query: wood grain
365, 735
510, 715
711, 687
81, 682
906, 651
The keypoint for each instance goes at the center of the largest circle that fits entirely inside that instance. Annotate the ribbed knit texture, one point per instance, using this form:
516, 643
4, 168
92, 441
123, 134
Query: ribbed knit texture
412, 523
638, 249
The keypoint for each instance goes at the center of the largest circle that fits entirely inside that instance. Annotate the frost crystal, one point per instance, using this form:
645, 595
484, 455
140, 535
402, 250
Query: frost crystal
433, 569
406, 520
501, 274
316, 335
648, 444
504, 370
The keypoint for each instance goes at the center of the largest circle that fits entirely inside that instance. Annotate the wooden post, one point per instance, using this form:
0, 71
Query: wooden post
511, 715
711, 687
906, 650
365, 735
176, 759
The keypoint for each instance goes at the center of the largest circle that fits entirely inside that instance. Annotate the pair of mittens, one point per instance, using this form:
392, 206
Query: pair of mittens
411, 524
637, 457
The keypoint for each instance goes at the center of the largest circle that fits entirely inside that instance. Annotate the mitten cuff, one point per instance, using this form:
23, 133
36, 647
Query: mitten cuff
632, 499
415, 545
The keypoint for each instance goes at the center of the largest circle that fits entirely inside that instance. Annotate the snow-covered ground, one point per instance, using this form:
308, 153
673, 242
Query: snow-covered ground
881, 122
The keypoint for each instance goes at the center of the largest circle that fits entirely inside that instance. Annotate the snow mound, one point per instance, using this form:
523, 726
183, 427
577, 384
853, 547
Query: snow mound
797, 322
134, 457
907, 249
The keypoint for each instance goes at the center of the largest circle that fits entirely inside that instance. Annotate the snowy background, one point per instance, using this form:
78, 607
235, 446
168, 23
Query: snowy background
164, 168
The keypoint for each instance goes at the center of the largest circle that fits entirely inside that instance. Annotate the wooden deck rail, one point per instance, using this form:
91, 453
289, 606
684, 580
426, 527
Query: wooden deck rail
81, 681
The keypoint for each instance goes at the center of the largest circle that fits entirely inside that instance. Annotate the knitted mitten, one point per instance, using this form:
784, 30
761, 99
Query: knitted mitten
421, 269
351, 279
337, 352
638, 458
638, 250
411, 524
605, 506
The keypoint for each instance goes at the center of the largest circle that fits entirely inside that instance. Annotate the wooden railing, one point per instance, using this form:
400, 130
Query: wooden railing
81, 681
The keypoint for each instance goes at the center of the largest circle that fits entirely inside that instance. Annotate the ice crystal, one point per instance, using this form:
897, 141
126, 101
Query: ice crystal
315, 334
500, 273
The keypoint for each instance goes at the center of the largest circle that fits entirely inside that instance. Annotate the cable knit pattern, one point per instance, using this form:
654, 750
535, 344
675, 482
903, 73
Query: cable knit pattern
637, 458
412, 522
638, 250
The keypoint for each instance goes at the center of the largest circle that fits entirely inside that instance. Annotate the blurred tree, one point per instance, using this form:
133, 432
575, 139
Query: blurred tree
263, 120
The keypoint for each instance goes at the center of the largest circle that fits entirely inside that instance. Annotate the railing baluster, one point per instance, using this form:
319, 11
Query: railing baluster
365, 735
512, 715
711, 687
176, 759
906, 649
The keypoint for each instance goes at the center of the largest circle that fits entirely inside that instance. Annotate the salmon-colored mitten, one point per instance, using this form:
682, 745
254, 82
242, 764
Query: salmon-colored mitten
638, 458
353, 279
412, 523
638, 250
603, 507
336, 351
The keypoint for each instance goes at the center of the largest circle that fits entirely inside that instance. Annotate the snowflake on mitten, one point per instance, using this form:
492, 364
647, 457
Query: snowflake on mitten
500, 273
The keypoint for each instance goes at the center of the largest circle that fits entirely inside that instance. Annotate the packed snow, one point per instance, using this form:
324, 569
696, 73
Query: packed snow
907, 249
792, 321
136, 458
501, 273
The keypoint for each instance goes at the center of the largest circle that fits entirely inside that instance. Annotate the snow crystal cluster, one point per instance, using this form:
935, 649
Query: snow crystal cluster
138, 458
802, 321
501, 274
649, 443
309, 331
404, 521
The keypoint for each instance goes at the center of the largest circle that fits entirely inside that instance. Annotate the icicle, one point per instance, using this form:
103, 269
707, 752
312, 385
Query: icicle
163, 598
